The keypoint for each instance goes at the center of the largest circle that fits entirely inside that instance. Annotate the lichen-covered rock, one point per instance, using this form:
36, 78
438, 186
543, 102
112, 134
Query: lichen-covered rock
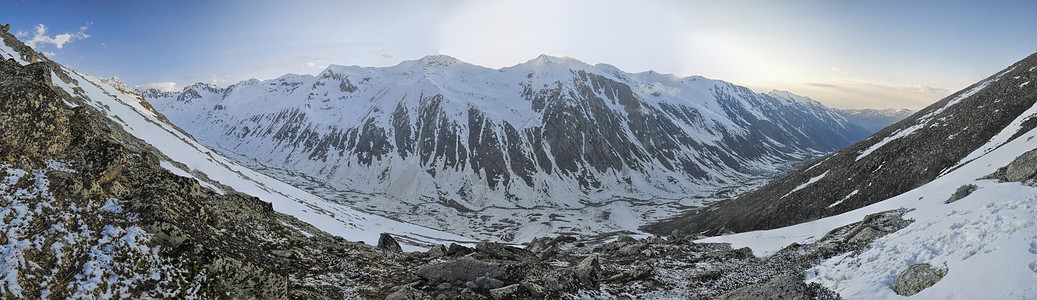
866, 235
1023, 167
916, 278
962, 192
588, 272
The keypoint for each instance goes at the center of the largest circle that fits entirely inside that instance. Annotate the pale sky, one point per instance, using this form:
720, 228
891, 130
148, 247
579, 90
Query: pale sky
846, 54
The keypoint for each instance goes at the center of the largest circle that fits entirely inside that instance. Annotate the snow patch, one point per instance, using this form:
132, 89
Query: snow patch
899, 134
811, 181
854, 192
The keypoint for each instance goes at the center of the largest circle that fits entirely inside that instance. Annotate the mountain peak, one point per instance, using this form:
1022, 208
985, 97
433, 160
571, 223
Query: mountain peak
790, 96
544, 59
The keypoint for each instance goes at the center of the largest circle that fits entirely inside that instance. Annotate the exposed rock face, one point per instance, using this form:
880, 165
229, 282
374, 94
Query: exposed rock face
916, 278
445, 139
934, 141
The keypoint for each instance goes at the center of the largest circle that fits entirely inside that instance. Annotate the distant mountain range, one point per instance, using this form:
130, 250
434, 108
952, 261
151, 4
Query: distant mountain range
551, 145
874, 119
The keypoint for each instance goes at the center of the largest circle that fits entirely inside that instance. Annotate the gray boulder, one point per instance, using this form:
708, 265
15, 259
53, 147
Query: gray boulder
502, 251
562, 281
916, 278
462, 270
505, 292
588, 272
1023, 167
437, 251
387, 242
488, 283
866, 235
457, 250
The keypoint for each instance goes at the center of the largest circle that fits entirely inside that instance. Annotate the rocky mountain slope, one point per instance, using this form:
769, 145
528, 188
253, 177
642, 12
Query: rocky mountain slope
935, 141
101, 198
874, 119
552, 145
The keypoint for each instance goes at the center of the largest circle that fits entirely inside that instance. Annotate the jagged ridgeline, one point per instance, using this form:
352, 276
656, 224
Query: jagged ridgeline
550, 145
912, 152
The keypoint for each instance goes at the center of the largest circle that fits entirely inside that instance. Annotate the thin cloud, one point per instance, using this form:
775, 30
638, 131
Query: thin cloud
41, 39
165, 86
859, 94
823, 85
215, 80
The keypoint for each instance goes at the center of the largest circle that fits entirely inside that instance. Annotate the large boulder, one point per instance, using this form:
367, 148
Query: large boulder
588, 272
1023, 167
461, 270
505, 252
916, 278
387, 242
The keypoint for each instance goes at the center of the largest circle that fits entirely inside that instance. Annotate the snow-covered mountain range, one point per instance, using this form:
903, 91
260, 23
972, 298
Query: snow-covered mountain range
874, 119
550, 145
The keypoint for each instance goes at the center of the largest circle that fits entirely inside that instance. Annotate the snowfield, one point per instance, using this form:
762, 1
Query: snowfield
986, 241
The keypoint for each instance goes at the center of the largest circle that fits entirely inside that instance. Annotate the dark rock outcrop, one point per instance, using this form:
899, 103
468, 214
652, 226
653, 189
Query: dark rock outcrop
387, 242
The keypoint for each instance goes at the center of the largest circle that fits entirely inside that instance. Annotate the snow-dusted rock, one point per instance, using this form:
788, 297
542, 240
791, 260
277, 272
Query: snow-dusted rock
916, 278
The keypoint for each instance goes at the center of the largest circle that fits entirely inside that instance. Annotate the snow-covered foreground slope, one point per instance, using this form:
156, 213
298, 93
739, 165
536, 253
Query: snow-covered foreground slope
553, 145
987, 241
189, 158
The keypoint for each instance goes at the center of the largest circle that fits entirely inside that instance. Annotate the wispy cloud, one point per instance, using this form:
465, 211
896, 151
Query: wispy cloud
860, 94
165, 86
217, 81
41, 39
